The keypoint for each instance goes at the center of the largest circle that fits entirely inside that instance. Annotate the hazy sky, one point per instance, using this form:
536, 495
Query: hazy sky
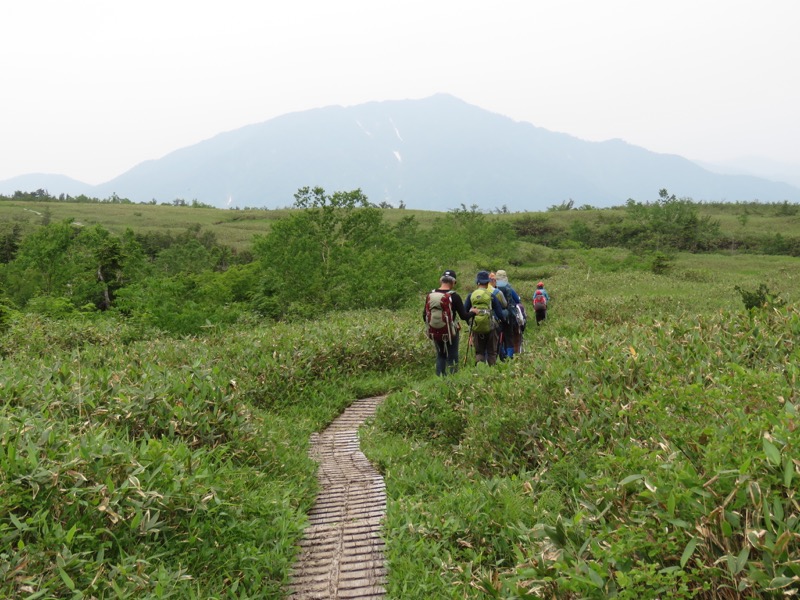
90, 88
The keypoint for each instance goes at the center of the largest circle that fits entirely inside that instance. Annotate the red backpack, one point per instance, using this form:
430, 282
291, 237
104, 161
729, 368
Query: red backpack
539, 300
439, 321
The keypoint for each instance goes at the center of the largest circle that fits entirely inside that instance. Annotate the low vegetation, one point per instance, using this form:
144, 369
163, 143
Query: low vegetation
158, 391
637, 449
171, 468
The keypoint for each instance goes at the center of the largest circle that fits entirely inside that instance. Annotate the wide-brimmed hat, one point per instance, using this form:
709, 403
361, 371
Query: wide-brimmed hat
501, 275
482, 277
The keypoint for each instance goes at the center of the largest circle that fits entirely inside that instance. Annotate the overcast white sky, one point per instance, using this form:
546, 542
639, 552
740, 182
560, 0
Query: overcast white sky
90, 88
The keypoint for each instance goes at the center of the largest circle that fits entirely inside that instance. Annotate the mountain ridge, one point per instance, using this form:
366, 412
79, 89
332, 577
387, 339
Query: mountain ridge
437, 153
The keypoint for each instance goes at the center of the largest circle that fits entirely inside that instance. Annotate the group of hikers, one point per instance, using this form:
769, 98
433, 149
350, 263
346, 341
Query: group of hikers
494, 312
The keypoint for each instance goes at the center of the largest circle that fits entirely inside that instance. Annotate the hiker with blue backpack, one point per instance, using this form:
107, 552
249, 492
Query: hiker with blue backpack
515, 318
540, 300
495, 292
499, 295
487, 319
443, 307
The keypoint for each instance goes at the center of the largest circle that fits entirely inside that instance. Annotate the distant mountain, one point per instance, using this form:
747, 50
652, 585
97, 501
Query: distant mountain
757, 167
436, 153
52, 184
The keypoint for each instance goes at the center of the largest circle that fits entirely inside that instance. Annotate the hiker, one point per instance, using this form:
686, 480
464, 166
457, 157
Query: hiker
511, 334
500, 296
486, 320
495, 292
540, 300
443, 307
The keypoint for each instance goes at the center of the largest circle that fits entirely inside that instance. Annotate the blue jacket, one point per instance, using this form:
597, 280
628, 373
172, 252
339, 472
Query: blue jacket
505, 288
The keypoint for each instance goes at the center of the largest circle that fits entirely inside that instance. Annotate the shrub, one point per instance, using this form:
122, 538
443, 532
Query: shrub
761, 297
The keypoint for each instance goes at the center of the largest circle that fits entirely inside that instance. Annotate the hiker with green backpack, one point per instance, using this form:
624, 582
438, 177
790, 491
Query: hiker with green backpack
487, 319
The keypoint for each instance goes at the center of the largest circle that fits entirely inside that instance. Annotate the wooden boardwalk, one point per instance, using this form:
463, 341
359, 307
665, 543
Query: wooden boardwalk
342, 551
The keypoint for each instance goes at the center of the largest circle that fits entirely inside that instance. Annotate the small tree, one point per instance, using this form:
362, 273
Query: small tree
759, 298
334, 252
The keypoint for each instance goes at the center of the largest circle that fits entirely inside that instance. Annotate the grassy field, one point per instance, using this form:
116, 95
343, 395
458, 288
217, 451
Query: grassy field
644, 445
638, 448
233, 228
236, 228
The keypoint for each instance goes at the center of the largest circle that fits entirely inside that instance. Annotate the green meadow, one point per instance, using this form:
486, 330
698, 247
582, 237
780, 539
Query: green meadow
163, 367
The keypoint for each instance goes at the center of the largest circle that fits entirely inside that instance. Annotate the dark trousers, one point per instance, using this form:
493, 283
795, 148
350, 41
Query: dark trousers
447, 356
485, 347
541, 315
511, 341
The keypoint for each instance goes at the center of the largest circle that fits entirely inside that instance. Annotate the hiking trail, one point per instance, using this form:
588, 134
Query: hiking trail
341, 551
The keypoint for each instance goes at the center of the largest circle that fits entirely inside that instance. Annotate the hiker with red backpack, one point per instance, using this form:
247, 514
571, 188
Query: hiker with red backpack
443, 307
487, 319
540, 300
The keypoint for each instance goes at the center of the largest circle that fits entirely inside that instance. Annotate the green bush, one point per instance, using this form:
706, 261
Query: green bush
336, 254
759, 298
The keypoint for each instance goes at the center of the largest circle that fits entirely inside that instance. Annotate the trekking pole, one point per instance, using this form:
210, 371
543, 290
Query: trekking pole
501, 351
469, 343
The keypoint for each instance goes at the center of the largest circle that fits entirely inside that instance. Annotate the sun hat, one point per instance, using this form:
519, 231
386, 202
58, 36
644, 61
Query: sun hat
501, 275
482, 277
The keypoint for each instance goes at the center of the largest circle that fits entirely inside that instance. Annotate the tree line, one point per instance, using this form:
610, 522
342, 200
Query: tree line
335, 252
668, 224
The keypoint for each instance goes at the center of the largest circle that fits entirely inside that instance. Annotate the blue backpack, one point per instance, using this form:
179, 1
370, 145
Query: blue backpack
512, 311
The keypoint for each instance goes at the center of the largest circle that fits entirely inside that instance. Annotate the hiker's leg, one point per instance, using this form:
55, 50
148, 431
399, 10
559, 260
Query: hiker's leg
441, 358
452, 355
480, 341
509, 337
491, 348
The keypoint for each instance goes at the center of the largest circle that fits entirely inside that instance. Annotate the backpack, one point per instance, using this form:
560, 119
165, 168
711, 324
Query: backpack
501, 298
539, 300
483, 322
440, 325
521, 317
512, 313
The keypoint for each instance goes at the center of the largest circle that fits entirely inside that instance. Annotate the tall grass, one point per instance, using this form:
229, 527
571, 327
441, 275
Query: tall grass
161, 467
645, 445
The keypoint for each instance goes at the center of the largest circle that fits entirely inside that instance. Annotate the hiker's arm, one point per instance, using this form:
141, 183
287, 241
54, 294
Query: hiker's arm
501, 297
498, 309
462, 311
